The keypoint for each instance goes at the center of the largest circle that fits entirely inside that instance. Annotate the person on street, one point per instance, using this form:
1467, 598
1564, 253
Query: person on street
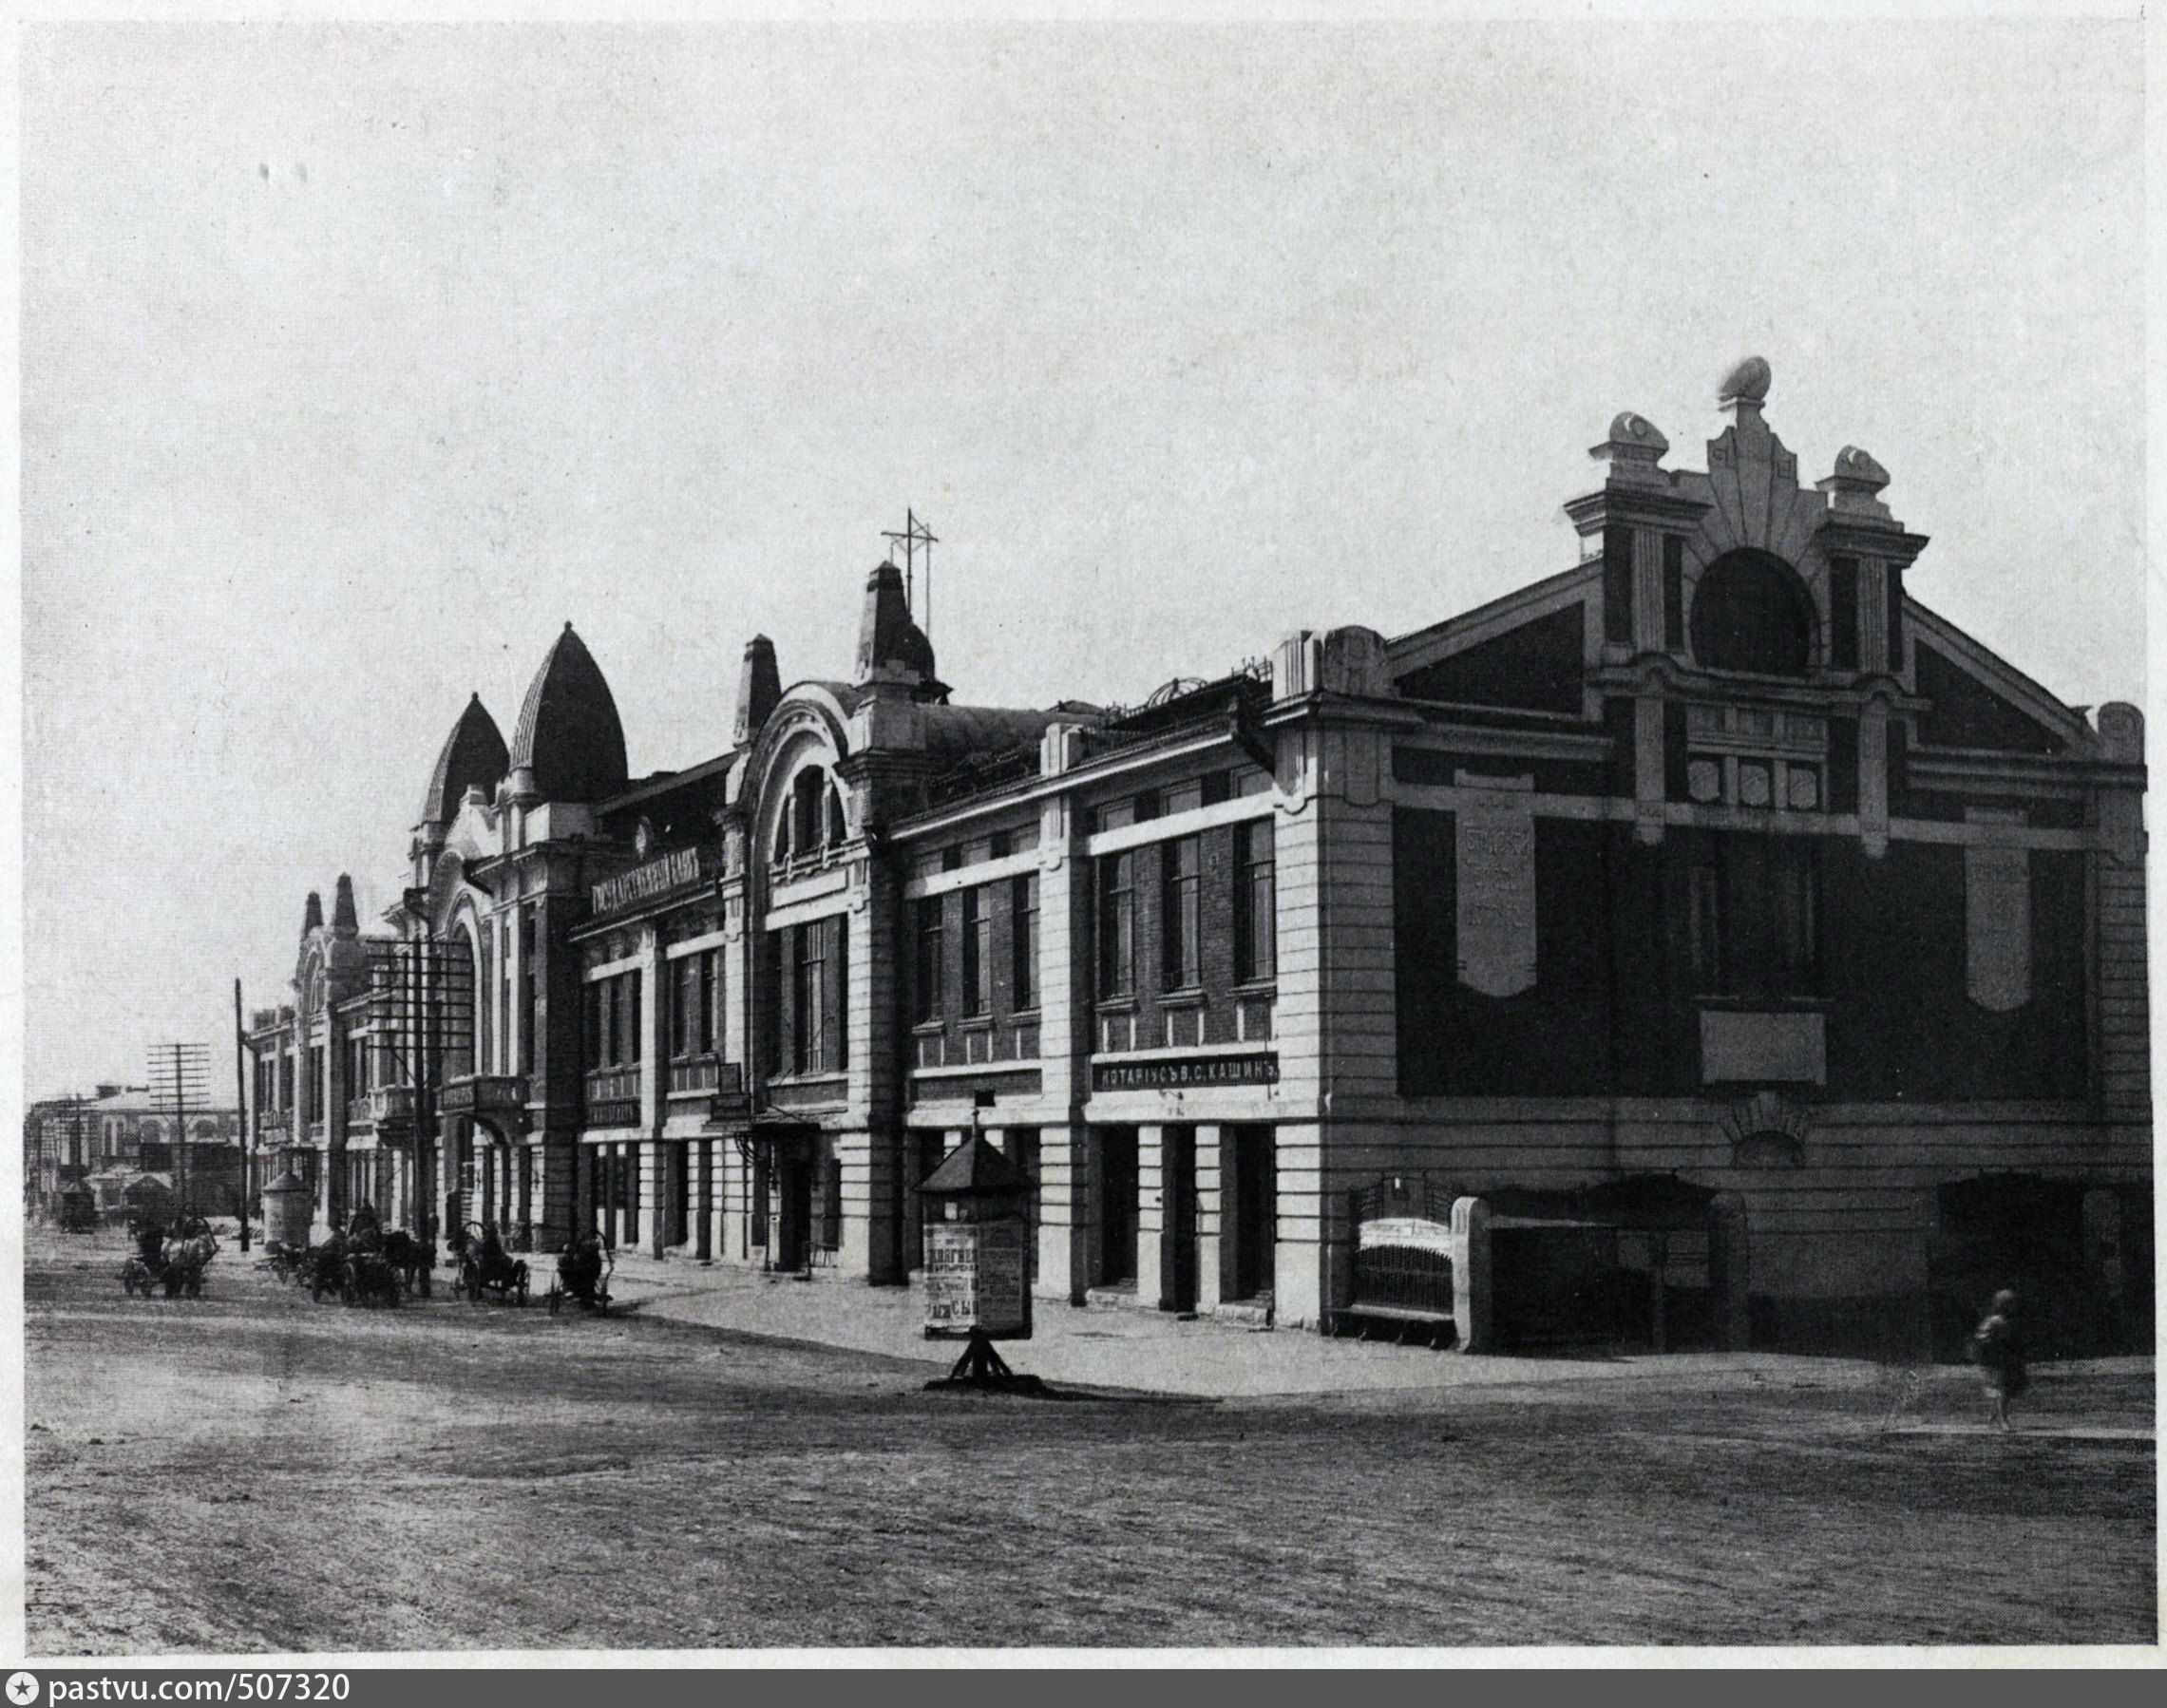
1999, 1350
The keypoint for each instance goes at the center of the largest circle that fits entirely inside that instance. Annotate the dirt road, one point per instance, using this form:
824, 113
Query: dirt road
253, 1473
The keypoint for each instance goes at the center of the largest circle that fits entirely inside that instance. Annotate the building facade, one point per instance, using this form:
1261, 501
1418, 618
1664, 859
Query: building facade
1707, 944
120, 1145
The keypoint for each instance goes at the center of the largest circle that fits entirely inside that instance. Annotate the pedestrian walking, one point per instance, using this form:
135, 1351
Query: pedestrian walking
1997, 1348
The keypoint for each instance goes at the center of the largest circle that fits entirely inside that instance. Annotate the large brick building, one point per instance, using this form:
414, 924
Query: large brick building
1707, 945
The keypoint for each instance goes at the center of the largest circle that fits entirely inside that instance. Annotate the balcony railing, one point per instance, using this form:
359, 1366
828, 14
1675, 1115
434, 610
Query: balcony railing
482, 1094
697, 1075
612, 1096
272, 1122
381, 1106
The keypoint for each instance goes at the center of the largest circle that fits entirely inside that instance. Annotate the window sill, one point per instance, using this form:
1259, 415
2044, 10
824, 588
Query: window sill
974, 1023
1116, 1005
929, 1029
1256, 988
825, 1076
1189, 995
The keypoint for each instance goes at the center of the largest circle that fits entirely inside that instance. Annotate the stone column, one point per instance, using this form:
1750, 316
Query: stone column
1471, 1274
1151, 1214
1209, 1218
1062, 1182
704, 1201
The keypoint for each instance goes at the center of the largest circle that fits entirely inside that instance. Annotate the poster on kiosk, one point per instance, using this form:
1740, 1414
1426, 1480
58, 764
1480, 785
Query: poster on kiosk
977, 1236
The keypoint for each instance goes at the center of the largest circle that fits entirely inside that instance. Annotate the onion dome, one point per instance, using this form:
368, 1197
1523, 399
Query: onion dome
569, 745
473, 756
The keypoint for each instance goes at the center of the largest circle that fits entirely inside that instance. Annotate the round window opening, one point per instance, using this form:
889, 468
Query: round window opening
1750, 614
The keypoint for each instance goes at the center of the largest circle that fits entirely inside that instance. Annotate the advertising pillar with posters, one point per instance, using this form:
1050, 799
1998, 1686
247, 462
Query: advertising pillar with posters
977, 1234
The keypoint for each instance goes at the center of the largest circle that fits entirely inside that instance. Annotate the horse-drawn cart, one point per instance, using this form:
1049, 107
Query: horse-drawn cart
486, 1268
583, 1271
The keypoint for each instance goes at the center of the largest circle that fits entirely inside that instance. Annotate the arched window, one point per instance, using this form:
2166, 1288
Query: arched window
837, 830
806, 789
1749, 613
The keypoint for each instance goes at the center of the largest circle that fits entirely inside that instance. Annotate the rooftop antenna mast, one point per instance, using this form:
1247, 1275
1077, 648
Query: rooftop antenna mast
914, 537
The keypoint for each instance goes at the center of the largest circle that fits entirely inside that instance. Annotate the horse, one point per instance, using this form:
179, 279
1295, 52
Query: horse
185, 1260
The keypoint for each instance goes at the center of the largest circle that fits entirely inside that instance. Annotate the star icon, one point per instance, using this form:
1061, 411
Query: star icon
22, 1689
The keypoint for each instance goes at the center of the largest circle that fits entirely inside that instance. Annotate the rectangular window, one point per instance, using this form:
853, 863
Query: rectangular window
1181, 866
1673, 594
1754, 917
925, 966
1703, 921
505, 1027
485, 989
530, 992
1256, 912
808, 998
684, 1001
711, 1001
1024, 939
632, 981
1896, 577
1116, 925
1618, 585
978, 951
1843, 612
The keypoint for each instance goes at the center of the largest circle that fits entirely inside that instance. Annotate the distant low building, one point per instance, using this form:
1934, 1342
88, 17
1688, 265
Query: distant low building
122, 1146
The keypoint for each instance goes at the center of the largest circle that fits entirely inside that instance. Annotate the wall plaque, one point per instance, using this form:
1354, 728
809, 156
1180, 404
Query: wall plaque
1737, 1046
1997, 921
1494, 860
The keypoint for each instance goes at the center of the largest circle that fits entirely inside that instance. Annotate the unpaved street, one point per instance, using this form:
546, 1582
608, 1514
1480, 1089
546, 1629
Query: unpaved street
252, 1472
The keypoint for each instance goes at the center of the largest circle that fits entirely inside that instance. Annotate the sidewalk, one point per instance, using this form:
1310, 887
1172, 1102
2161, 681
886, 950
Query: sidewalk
1153, 1352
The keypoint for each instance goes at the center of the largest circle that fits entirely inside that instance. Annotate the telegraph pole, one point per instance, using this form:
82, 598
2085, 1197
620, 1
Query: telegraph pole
179, 1077
240, 1114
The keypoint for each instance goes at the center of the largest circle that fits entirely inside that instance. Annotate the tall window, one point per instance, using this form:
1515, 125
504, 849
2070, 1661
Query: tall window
1181, 869
1753, 916
925, 967
694, 1003
1024, 939
817, 969
1116, 925
809, 994
613, 1022
1255, 903
978, 951
485, 989
530, 992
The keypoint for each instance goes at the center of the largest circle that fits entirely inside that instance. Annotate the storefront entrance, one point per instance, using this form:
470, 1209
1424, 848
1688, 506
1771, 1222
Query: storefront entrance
1251, 1178
1114, 1192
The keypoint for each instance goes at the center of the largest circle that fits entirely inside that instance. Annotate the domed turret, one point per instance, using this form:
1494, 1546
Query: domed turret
569, 745
474, 755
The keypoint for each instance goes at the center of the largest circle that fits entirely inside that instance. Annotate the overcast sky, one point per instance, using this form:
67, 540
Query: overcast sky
357, 361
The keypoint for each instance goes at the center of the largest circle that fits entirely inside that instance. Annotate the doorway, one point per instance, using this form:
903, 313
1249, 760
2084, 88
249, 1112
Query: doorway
1115, 1178
1252, 1250
1177, 1251
678, 1193
793, 1208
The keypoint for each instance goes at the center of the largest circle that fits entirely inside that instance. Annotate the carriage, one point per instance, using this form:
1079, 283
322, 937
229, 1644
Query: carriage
486, 1268
583, 1271
177, 1265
